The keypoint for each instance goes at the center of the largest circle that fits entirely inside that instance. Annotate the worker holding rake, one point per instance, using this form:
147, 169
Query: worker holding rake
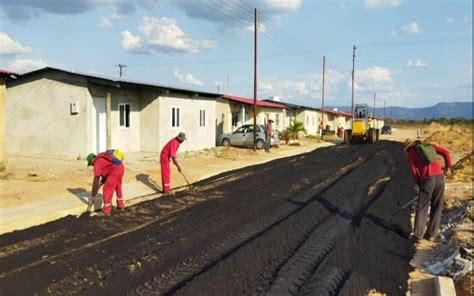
423, 159
109, 171
169, 152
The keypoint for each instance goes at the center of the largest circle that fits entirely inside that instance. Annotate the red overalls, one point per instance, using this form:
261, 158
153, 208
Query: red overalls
168, 151
113, 174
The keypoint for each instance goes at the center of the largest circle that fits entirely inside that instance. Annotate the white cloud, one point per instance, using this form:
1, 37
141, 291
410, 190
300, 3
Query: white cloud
450, 20
26, 65
131, 42
418, 63
187, 78
306, 90
163, 35
10, 47
412, 28
379, 4
374, 74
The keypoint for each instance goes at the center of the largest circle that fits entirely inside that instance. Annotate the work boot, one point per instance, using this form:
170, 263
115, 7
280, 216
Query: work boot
102, 214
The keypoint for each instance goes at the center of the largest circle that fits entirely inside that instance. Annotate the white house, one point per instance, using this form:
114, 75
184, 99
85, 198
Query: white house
233, 111
57, 112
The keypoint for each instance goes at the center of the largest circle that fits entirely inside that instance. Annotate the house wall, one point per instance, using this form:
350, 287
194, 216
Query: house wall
290, 115
149, 120
265, 113
223, 117
310, 119
39, 119
197, 137
2, 122
125, 139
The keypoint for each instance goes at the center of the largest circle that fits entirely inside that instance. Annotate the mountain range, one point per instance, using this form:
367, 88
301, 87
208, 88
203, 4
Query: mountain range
440, 110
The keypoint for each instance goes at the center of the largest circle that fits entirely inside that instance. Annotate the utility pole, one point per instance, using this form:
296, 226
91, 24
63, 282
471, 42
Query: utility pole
353, 64
217, 88
384, 111
373, 112
322, 96
120, 69
227, 86
255, 82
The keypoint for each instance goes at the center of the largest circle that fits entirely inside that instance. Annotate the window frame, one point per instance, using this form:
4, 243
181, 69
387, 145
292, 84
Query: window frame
126, 119
202, 118
175, 110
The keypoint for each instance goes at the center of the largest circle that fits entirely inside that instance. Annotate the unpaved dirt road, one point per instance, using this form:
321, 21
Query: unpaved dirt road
313, 224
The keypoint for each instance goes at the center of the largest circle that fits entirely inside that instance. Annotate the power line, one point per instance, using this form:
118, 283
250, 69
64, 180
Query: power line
243, 19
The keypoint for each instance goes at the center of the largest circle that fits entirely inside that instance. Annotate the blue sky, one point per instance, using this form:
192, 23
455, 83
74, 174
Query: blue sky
411, 53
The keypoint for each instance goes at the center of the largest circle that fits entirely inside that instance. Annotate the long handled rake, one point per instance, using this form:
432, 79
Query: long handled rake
405, 206
187, 182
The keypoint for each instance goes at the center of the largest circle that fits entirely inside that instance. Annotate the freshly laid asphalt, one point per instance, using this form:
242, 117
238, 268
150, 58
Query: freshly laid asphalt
312, 224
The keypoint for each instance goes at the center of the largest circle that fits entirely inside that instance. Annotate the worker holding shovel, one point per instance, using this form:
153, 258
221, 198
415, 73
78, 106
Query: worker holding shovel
108, 166
429, 176
169, 152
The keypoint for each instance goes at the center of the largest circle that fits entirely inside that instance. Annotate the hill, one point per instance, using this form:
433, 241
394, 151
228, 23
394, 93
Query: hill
446, 110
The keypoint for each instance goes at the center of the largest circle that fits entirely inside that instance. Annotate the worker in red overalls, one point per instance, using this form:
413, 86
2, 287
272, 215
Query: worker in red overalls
111, 173
169, 152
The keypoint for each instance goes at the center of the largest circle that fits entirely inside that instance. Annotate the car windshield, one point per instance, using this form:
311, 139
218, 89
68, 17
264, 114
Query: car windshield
250, 129
241, 129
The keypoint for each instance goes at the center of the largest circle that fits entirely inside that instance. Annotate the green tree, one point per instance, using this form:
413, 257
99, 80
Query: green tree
295, 128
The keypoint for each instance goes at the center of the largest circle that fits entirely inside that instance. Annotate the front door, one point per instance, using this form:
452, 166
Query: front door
98, 124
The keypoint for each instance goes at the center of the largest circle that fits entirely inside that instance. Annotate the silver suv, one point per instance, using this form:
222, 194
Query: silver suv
243, 136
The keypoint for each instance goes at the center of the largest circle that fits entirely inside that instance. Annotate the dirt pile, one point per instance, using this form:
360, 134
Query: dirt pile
455, 141
462, 170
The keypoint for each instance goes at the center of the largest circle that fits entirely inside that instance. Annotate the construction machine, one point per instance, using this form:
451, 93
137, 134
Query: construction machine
363, 128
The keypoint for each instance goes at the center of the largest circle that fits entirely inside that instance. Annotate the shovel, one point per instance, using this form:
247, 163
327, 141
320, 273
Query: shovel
91, 203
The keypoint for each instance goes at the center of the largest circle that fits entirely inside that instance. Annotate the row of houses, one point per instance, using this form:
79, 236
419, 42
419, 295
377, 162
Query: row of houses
52, 111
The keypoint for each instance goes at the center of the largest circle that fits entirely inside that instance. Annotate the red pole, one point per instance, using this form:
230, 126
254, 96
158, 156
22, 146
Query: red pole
322, 109
353, 63
255, 83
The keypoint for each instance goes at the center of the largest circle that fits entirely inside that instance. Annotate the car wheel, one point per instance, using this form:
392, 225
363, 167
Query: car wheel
226, 142
260, 144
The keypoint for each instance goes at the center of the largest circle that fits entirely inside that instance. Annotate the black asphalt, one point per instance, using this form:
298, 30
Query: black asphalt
312, 224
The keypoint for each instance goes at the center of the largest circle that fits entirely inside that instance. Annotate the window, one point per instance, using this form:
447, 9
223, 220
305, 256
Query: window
235, 118
312, 121
124, 115
175, 120
307, 120
277, 120
202, 118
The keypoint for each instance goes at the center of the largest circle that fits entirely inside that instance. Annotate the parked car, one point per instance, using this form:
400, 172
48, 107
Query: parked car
386, 130
243, 136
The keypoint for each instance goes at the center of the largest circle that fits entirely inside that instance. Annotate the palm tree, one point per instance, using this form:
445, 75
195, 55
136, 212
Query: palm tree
295, 128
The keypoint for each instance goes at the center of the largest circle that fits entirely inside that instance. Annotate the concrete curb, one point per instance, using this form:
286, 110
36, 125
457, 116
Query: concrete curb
444, 286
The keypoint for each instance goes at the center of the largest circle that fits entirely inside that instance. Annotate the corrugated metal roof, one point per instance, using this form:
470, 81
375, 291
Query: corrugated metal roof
120, 80
289, 105
250, 102
7, 72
